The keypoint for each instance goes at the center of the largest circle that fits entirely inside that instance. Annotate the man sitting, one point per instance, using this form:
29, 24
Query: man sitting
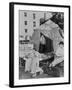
59, 55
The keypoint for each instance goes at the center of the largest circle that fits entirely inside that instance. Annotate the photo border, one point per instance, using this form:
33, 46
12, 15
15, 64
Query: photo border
11, 43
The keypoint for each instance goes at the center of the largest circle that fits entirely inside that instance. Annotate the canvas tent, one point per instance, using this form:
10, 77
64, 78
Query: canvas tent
50, 30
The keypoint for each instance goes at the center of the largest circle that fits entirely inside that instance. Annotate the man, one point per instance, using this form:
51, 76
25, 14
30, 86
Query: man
32, 63
59, 55
46, 44
35, 64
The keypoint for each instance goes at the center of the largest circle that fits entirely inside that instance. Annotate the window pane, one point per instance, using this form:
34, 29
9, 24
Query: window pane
25, 30
25, 14
34, 24
25, 22
34, 15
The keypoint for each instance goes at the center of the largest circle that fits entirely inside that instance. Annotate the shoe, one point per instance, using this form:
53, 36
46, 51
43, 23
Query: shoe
41, 72
34, 75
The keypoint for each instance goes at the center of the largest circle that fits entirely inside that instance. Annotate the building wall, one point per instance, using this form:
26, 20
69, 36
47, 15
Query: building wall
30, 21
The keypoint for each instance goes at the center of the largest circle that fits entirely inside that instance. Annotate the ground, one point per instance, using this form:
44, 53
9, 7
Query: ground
27, 75
53, 72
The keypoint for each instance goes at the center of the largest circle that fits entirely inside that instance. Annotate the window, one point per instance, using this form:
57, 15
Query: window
34, 24
25, 22
34, 15
25, 14
34, 29
42, 21
25, 30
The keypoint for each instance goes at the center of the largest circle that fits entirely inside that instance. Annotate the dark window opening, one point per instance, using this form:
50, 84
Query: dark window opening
34, 15
34, 24
25, 14
25, 30
34, 29
25, 22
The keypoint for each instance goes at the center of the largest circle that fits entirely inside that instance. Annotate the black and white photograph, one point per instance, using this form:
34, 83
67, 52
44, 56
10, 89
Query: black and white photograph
41, 44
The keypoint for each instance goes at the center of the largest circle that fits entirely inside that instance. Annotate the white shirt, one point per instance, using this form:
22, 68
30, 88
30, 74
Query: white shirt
60, 51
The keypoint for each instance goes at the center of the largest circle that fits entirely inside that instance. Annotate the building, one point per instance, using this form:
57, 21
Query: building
30, 21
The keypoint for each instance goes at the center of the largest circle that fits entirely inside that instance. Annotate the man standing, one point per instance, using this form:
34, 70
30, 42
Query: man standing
46, 44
